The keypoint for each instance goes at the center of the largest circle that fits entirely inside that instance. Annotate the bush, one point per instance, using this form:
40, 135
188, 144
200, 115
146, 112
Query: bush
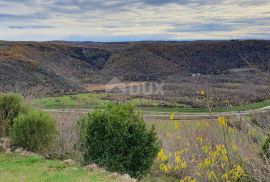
10, 107
34, 131
117, 138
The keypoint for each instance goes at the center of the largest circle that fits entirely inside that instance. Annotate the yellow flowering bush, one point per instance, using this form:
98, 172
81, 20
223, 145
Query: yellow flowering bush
203, 160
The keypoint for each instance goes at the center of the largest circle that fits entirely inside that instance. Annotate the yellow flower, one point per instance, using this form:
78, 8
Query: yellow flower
220, 148
178, 159
172, 116
205, 149
162, 156
237, 172
206, 163
225, 158
226, 176
165, 168
176, 168
221, 121
212, 154
176, 125
183, 165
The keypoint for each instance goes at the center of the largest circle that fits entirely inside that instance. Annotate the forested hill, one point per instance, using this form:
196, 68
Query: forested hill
56, 67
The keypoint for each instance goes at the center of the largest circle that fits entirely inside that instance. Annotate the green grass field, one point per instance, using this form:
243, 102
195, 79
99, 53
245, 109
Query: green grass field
90, 101
15, 168
35, 169
245, 107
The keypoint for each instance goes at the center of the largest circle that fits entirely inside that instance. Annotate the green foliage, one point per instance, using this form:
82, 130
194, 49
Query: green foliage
70, 101
266, 147
35, 131
10, 107
117, 138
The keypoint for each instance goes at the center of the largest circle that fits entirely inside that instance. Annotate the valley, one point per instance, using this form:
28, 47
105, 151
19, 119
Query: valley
229, 73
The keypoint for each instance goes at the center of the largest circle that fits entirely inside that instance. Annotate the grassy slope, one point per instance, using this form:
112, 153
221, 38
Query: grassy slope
18, 168
88, 101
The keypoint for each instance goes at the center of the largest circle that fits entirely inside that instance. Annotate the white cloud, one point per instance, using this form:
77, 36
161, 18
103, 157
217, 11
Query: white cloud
154, 19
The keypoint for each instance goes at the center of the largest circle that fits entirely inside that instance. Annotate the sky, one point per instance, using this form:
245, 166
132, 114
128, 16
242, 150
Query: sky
133, 20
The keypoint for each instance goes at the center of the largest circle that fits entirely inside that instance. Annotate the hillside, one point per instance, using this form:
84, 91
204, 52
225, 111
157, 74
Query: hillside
55, 68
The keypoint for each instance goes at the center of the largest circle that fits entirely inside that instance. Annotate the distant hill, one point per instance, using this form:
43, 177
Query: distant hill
47, 68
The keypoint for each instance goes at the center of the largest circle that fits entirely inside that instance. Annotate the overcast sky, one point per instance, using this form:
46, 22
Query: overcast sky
133, 20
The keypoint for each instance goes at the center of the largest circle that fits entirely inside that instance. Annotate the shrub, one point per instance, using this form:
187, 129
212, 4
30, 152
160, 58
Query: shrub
117, 138
195, 154
34, 131
10, 107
